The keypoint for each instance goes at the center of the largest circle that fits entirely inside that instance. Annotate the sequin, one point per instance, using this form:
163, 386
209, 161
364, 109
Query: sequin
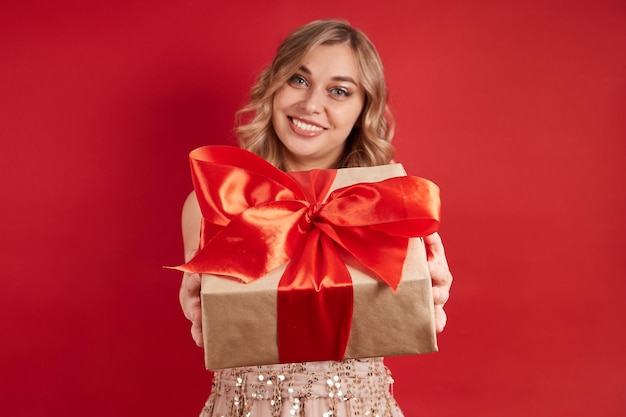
350, 388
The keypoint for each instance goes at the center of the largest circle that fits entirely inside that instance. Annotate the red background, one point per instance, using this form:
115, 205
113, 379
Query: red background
516, 109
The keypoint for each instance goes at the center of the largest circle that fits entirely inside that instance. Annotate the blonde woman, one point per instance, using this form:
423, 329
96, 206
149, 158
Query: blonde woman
321, 103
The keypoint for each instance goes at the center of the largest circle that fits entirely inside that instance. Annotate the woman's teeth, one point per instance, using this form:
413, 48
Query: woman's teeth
305, 126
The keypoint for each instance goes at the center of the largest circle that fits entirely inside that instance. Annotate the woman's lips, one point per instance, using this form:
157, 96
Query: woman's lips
303, 128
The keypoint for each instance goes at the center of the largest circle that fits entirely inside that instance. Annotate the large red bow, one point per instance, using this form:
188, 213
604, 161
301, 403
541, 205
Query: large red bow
256, 218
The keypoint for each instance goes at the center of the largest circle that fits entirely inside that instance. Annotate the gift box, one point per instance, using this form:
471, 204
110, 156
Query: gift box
244, 320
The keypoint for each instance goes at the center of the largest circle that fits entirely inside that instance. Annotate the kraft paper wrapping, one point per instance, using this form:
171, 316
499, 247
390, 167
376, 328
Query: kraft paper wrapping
240, 323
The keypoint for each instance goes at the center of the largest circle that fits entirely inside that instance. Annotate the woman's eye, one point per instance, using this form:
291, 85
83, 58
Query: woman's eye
298, 80
340, 91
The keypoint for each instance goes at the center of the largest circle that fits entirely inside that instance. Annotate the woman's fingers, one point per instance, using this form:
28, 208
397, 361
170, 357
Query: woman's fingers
440, 275
189, 297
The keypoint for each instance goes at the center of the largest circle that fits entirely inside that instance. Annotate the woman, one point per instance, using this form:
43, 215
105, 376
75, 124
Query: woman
322, 103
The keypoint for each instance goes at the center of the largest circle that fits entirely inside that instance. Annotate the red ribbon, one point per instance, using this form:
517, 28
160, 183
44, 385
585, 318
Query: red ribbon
256, 218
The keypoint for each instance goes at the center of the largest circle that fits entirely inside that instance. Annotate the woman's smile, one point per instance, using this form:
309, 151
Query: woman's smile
305, 128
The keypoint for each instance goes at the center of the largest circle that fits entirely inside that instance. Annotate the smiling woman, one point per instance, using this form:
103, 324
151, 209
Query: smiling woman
300, 63
321, 104
315, 111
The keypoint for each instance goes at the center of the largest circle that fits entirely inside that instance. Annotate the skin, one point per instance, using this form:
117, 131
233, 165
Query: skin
313, 114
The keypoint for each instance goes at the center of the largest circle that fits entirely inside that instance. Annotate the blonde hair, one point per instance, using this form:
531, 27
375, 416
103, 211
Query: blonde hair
369, 142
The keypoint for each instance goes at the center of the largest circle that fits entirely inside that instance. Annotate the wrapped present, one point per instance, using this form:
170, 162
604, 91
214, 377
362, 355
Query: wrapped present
315, 265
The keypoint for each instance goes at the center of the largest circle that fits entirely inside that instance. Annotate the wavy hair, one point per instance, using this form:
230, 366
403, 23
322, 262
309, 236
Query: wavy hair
369, 142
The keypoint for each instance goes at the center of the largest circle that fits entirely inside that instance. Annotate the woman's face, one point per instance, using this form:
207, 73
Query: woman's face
317, 107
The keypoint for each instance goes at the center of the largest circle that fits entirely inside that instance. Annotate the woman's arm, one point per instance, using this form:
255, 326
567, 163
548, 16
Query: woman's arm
189, 294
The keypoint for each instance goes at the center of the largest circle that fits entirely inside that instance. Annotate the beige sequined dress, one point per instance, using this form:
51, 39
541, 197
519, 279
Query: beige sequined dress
351, 388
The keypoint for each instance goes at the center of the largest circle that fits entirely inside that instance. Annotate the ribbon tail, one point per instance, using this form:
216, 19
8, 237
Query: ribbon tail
314, 320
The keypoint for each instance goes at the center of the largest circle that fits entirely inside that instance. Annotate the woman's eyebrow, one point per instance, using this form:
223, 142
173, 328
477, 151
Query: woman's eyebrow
343, 78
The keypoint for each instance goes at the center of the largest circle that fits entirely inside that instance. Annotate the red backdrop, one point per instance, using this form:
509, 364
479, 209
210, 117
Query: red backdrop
516, 109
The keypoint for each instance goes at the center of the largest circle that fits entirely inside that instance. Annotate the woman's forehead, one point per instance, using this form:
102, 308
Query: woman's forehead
336, 61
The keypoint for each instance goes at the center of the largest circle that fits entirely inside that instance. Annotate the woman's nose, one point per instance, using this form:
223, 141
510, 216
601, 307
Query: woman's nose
312, 101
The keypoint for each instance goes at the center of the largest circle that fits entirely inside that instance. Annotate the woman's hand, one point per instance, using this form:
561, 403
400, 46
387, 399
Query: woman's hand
189, 297
440, 275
